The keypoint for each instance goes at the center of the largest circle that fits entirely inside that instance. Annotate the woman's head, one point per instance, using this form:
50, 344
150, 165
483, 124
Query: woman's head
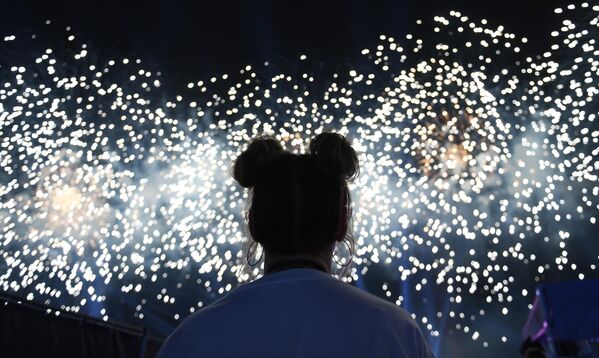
300, 203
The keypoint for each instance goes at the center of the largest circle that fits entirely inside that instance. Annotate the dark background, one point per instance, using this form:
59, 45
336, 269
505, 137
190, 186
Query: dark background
190, 40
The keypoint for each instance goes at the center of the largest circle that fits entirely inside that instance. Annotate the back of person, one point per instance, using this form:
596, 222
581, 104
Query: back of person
300, 209
299, 312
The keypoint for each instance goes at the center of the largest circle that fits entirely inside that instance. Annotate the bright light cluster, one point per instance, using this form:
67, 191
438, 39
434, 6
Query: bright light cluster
479, 164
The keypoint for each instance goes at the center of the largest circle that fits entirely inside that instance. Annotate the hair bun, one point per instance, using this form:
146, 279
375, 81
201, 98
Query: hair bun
335, 155
250, 164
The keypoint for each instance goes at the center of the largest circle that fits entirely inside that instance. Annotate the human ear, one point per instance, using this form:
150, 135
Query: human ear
342, 225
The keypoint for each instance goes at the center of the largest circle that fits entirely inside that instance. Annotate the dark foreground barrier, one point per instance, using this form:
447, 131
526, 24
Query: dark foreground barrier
31, 330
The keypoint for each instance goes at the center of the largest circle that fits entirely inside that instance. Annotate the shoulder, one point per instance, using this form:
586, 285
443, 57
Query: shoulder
397, 330
376, 305
184, 339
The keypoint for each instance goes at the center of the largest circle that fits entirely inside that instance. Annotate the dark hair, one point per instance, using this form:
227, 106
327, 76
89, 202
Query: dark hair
299, 202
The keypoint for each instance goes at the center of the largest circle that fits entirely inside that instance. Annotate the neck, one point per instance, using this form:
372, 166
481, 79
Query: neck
273, 262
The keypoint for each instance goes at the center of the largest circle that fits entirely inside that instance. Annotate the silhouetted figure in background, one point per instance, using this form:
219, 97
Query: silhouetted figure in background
300, 208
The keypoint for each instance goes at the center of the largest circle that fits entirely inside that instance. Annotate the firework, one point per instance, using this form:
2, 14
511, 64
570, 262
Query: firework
479, 171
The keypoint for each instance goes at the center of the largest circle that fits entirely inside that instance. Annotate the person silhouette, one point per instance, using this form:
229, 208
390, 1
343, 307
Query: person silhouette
300, 208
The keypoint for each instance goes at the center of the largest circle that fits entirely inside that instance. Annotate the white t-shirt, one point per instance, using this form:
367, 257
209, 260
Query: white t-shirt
298, 312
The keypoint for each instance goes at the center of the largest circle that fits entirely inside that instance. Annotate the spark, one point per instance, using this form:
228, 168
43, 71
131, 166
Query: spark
479, 163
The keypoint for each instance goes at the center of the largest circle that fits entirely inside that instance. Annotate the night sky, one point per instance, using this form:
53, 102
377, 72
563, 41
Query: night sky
200, 38
189, 42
